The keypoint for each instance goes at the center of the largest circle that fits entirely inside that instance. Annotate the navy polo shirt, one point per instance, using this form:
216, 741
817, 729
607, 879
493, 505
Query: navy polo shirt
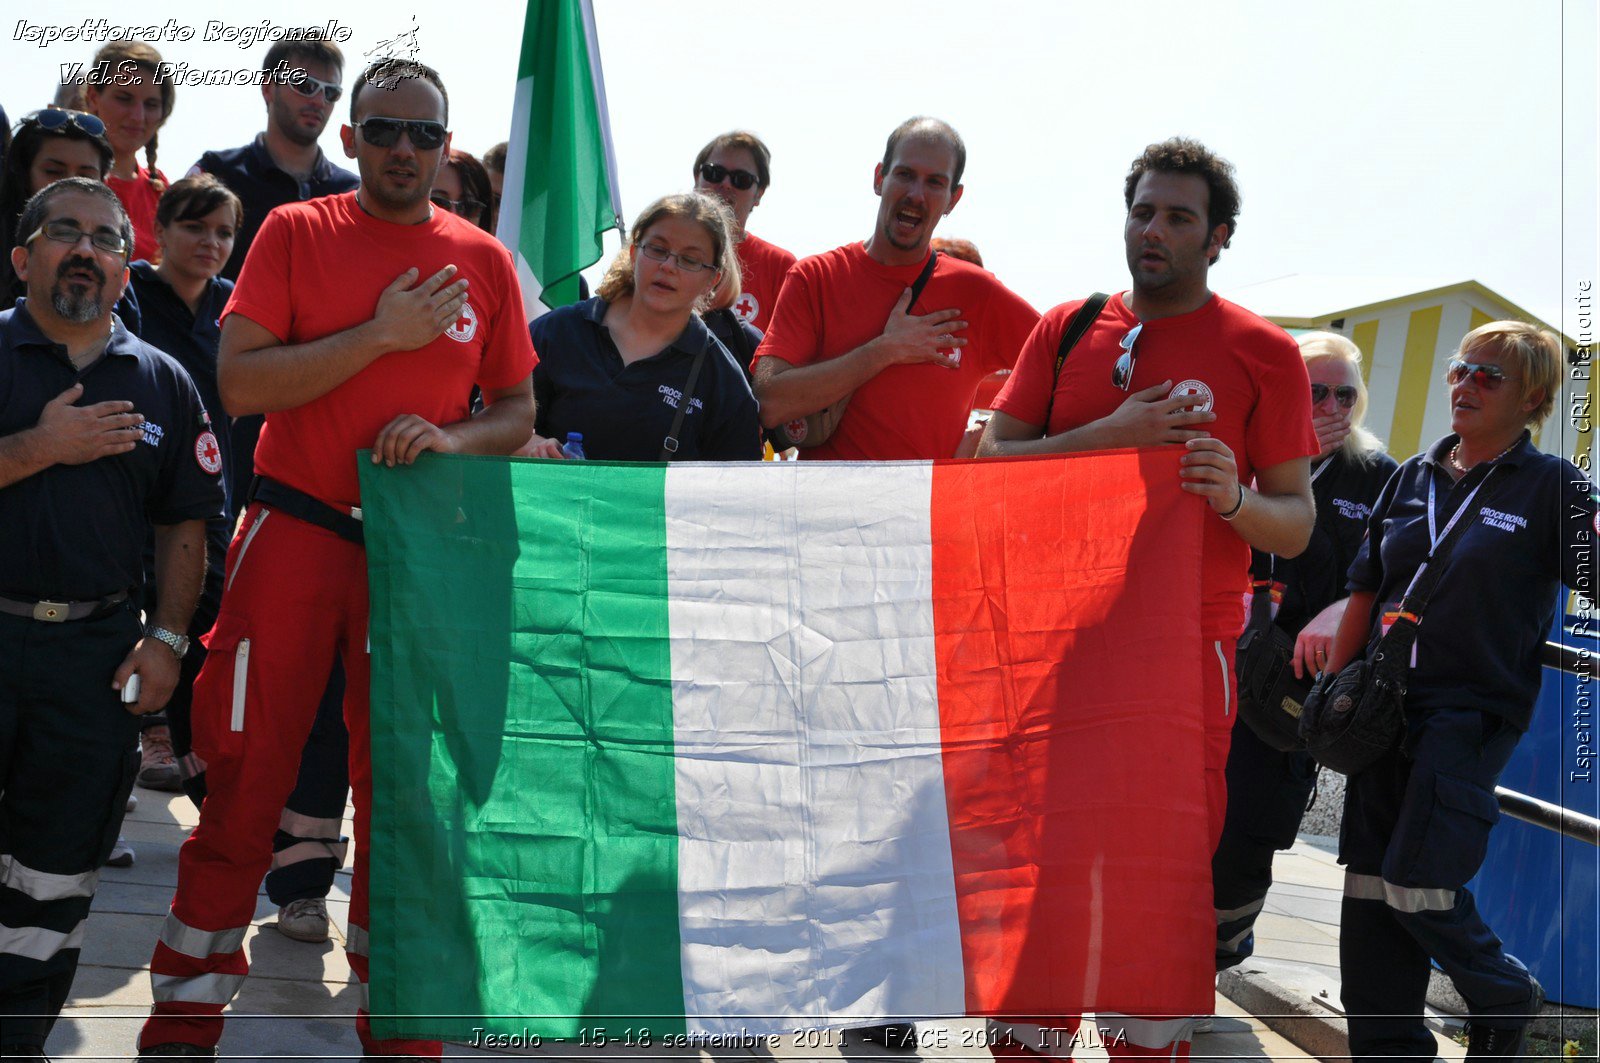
1479, 643
77, 532
1343, 490
191, 337
625, 411
250, 174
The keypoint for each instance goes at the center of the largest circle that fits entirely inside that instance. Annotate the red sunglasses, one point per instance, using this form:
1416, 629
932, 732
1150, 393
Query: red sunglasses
1487, 377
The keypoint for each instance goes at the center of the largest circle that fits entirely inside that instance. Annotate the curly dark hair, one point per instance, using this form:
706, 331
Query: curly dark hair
1183, 155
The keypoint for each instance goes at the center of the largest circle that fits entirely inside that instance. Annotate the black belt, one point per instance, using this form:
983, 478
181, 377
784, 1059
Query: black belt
60, 612
346, 524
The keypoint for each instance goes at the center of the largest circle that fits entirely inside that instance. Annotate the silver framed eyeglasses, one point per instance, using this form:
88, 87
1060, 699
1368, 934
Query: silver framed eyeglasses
1122, 371
688, 264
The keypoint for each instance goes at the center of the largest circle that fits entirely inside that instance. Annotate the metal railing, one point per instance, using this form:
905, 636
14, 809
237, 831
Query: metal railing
1542, 813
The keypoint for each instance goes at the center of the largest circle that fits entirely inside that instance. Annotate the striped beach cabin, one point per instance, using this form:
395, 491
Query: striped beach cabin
1407, 329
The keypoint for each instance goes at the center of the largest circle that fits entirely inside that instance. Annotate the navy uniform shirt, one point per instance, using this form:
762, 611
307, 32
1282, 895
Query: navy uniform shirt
625, 412
1482, 633
77, 532
1344, 490
191, 337
250, 174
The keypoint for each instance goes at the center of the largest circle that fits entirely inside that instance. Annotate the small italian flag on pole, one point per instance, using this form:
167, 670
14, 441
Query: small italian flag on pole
729, 750
560, 190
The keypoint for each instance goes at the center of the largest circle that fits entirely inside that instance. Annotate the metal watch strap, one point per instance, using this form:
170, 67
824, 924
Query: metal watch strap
179, 644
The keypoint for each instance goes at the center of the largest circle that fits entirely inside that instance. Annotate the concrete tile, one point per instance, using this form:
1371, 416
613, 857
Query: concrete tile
1324, 912
1322, 955
1272, 926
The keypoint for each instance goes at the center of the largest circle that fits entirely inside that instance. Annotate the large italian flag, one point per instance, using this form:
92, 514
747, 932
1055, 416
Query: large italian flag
742, 748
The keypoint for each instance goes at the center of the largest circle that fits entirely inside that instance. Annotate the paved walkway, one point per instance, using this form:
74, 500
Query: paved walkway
299, 999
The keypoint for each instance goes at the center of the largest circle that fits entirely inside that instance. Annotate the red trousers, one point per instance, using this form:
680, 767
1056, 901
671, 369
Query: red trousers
1136, 1037
295, 595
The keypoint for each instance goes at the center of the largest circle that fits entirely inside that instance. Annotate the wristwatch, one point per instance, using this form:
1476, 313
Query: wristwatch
179, 644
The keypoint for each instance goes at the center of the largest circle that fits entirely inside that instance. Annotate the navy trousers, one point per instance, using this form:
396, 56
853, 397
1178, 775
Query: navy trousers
1415, 831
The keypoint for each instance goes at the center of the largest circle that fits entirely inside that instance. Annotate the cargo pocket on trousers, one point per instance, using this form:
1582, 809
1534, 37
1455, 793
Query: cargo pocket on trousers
1457, 839
220, 711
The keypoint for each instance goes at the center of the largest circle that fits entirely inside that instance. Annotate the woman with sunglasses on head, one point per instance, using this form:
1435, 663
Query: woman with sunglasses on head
48, 145
619, 368
1305, 596
737, 168
126, 91
1417, 821
462, 187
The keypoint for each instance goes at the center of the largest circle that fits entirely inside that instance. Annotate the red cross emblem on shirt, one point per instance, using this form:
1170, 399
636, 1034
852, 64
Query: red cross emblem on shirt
746, 308
207, 454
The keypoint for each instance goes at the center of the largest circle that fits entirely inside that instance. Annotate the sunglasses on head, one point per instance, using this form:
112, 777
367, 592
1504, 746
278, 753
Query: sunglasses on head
1487, 377
714, 174
385, 133
57, 117
306, 85
1344, 394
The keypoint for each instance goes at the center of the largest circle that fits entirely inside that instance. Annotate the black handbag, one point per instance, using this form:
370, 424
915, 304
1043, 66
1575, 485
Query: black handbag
1271, 698
1355, 716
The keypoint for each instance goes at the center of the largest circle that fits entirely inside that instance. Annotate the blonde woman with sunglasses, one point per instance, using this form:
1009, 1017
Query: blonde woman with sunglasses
1417, 821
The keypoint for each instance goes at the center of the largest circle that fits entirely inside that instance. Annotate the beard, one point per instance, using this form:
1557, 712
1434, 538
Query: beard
74, 300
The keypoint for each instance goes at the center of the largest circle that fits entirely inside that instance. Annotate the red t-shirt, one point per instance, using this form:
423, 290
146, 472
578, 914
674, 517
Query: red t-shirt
834, 302
1249, 369
316, 269
139, 198
761, 266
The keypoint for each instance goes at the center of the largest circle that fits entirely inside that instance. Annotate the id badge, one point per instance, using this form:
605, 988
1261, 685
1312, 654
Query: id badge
1389, 616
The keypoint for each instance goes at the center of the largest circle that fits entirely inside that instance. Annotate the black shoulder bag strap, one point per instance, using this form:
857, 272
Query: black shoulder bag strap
1395, 646
1075, 329
669, 445
922, 280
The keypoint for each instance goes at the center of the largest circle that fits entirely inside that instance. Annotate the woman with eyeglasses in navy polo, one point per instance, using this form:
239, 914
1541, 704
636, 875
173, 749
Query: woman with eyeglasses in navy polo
616, 369
1417, 822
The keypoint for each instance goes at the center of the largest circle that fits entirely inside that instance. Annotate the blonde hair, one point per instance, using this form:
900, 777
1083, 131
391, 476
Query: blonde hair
1535, 353
108, 66
1361, 444
711, 214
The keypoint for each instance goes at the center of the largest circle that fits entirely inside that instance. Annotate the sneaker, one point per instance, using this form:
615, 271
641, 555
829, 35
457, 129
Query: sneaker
895, 1036
1498, 1042
133, 802
175, 1050
304, 920
121, 854
158, 768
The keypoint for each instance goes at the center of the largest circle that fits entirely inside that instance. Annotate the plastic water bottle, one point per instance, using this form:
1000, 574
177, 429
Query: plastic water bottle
573, 447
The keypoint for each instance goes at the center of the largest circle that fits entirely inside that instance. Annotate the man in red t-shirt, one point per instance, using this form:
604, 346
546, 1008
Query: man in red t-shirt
1169, 362
841, 327
737, 168
359, 320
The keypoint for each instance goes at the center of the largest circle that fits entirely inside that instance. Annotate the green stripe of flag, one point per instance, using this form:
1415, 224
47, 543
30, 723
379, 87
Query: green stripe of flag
473, 880
560, 191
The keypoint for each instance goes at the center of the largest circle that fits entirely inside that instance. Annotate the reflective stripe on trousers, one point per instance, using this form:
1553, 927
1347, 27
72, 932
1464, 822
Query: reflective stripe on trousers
199, 944
1409, 899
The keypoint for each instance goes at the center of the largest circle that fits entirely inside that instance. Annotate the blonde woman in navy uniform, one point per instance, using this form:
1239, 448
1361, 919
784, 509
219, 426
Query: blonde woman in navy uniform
1417, 822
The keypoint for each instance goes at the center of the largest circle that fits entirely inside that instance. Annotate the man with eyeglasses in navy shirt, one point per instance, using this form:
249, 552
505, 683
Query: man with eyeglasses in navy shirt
101, 437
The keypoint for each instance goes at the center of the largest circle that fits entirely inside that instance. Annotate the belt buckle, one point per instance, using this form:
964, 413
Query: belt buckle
51, 612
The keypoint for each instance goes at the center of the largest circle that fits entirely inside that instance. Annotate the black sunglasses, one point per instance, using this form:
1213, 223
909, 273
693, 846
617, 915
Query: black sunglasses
1344, 394
306, 85
467, 207
56, 117
1488, 377
714, 174
385, 133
